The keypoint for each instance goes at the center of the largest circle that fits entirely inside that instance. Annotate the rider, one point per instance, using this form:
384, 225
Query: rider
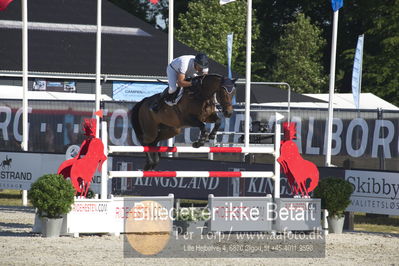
186, 66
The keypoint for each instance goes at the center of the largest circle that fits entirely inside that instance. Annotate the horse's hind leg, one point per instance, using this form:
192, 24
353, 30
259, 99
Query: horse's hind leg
149, 138
152, 158
150, 163
165, 132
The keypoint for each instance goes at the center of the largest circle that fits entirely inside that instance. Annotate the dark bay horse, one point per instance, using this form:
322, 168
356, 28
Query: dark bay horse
196, 107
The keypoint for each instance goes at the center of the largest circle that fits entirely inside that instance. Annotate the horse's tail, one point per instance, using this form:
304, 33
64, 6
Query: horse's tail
135, 120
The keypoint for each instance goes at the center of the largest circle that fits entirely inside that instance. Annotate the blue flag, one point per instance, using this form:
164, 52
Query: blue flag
337, 4
229, 54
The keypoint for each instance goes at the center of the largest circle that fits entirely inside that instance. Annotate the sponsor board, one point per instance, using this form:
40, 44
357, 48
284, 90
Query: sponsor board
374, 192
19, 170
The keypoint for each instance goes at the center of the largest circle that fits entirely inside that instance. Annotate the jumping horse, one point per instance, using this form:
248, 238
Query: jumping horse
196, 107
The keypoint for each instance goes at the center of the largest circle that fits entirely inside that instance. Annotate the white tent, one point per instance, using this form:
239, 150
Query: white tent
367, 101
341, 101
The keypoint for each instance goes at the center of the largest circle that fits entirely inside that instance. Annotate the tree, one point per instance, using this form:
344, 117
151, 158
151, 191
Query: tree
137, 8
273, 15
299, 57
381, 64
206, 24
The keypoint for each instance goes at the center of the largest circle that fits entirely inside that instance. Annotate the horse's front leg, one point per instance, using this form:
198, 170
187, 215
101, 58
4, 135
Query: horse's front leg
203, 137
214, 118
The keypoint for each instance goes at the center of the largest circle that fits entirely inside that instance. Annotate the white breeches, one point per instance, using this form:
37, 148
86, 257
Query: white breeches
172, 79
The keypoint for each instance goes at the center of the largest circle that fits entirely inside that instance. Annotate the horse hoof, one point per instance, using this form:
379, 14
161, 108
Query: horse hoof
197, 144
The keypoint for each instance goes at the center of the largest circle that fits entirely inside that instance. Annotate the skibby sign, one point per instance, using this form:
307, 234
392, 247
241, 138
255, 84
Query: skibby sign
374, 192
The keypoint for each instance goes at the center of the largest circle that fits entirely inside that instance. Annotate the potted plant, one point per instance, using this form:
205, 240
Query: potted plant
188, 219
53, 197
335, 197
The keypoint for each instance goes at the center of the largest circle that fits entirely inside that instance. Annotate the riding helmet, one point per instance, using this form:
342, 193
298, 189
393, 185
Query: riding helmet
201, 60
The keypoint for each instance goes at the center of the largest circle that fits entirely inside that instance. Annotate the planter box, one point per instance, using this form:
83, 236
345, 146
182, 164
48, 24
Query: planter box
297, 214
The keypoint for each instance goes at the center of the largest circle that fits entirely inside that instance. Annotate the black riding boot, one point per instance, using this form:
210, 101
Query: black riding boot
158, 103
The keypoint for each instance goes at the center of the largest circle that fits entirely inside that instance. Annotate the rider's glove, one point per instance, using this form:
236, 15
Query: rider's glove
195, 82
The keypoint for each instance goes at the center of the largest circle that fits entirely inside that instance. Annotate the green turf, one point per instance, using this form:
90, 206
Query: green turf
9, 197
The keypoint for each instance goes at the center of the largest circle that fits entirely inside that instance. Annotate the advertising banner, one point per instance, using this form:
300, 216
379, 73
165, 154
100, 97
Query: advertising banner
365, 140
19, 170
59, 86
135, 91
374, 192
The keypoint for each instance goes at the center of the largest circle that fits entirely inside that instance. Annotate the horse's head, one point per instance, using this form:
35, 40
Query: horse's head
225, 95
223, 87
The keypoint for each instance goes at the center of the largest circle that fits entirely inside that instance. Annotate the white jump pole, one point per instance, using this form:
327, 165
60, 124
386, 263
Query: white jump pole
104, 168
184, 149
98, 65
170, 49
277, 141
224, 174
25, 125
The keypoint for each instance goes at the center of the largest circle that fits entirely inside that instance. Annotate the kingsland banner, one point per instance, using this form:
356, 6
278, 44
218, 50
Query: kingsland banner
55, 125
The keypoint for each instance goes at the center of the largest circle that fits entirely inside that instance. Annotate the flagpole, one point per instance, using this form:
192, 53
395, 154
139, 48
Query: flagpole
331, 88
98, 66
170, 52
25, 125
170, 31
248, 73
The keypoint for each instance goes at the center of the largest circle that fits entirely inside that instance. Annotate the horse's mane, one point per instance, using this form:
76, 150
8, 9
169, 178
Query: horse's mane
196, 91
210, 74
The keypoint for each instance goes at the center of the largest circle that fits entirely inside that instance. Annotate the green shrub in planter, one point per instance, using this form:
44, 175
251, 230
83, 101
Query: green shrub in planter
334, 194
52, 195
